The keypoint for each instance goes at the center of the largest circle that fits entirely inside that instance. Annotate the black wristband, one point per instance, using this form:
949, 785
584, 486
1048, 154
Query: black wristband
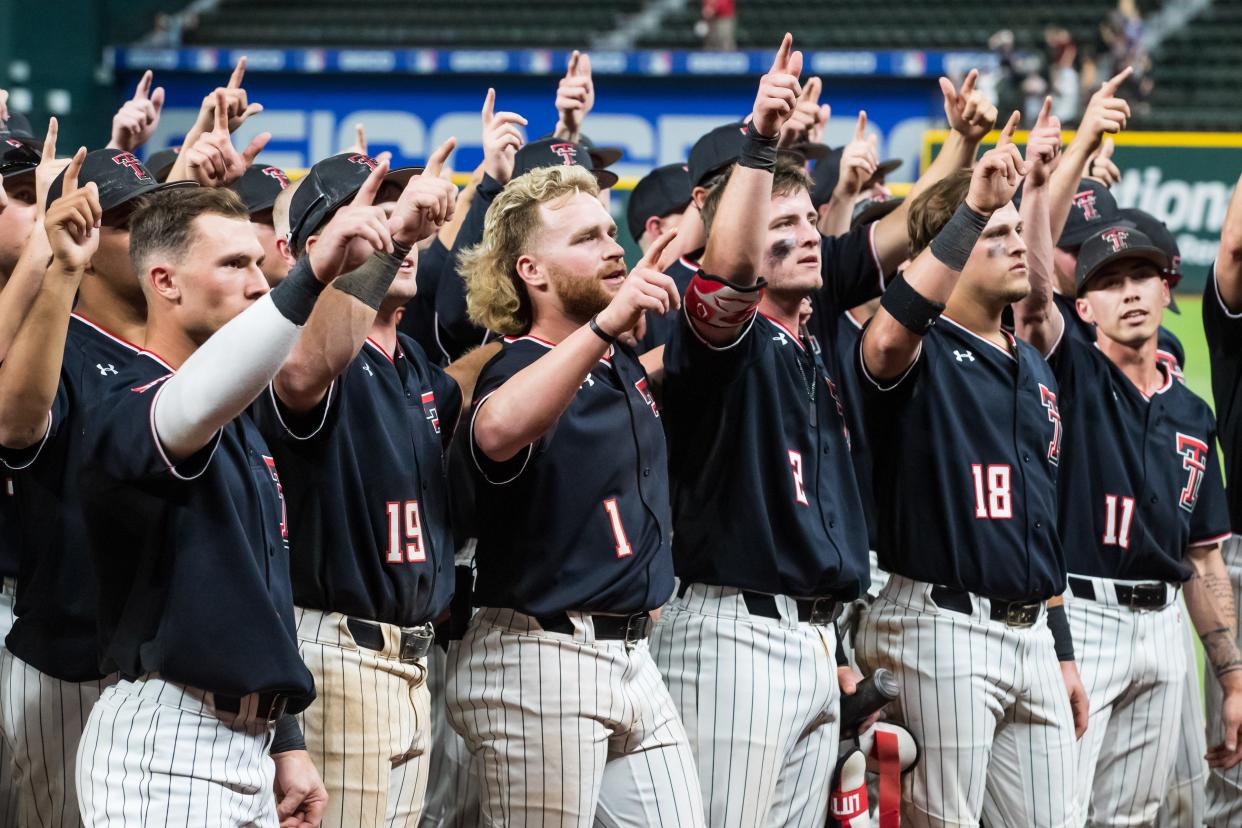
600, 332
915, 312
288, 736
370, 282
843, 659
295, 296
1062, 639
957, 238
758, 152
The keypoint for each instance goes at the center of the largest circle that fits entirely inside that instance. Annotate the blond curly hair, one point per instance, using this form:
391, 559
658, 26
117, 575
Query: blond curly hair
496, 298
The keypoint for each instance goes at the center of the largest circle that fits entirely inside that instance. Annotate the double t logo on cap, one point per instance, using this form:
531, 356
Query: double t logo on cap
128, 159
567, 152
1116, 238
1085, 201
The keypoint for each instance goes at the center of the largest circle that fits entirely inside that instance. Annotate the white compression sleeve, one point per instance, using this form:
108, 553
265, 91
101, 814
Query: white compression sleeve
222, 377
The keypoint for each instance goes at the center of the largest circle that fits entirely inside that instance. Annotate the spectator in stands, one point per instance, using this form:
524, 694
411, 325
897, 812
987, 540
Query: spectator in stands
1063, 77
718, 27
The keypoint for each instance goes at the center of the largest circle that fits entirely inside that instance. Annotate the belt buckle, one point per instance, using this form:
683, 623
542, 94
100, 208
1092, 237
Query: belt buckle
416, 642
277, 708
1021, 615
824, 611
1147, 596
636, 627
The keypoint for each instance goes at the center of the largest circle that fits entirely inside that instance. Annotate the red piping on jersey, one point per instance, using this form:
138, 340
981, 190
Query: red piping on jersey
379, 348
157, 358
781, 325
1212, 541
606, 358
688, 263
119, 340
1012, 341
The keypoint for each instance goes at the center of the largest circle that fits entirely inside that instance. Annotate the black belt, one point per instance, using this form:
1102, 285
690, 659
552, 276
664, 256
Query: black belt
271, 706
1013, 613
817, 611
1136, 596
628, 628
415, 641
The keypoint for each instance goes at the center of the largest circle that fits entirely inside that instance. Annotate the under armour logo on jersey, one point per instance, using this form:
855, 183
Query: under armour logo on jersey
962, 356
781, 338
1085, 201
104, 370
1116, 238
366, 366
589, 381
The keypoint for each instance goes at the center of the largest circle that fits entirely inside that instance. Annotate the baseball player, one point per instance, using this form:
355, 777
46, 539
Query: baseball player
1222, 323
552, 686
964, 425
183, 504
1141, 507
64, 358
259, 187
358, 424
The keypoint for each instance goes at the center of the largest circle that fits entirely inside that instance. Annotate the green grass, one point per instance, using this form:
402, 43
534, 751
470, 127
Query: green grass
1188, 325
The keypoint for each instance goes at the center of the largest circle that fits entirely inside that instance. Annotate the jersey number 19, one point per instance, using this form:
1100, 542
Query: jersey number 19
405, 532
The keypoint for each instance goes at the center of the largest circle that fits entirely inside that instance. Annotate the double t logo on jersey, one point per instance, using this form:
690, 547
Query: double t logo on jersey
1049, 401
1194, 454
429, 408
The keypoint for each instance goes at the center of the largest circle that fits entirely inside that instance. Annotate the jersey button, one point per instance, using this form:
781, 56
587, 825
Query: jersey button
1026, 458
646, 472
832, 524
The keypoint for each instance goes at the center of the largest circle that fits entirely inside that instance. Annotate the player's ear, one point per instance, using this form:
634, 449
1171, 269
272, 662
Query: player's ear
286, 252
530, 272
654, 228
160, 281
1166, 294
699, 195
1084, 310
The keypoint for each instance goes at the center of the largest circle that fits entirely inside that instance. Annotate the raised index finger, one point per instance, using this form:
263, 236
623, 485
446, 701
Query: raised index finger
222, 112
1114, 83
860, 129
1006, 136
1044, 112
654, 252
968, 85
144, 86
435, 162
70, 182
573, 65
370, 188
49, 143
782, 54
489, 105
239, 71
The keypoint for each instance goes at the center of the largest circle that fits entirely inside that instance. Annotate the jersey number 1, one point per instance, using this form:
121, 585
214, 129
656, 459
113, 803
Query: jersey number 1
992, 497
405, 532
1117, 521
624, 550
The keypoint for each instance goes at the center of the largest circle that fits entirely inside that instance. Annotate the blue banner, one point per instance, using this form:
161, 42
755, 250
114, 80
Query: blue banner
654, 120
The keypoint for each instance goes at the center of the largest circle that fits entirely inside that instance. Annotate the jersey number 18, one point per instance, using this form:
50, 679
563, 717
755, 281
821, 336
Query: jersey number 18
992, 498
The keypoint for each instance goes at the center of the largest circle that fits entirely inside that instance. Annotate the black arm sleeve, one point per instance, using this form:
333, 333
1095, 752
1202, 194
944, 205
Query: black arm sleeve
288, 736
457, 333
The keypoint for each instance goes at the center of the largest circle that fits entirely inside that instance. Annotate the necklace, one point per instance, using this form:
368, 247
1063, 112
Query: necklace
808, 381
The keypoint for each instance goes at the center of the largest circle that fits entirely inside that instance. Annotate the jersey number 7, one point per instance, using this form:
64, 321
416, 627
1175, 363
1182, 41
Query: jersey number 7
405, 532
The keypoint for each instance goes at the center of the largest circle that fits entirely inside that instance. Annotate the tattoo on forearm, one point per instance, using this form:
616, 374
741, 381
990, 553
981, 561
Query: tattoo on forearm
1222, 650
1220, 591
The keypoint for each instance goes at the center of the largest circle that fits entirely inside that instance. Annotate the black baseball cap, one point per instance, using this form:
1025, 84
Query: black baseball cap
1093, 208
600, 156
827, 172
118, 174
1162, 237
873, 209
259, 186
662, 191
553, 152
808, 150
161, 163
329, 184
714, 152
1111, 244
20, 151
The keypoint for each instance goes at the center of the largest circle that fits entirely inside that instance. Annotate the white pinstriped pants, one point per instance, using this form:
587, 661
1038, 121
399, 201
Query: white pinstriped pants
369, 729
1133, 667
565, 729
1224, 788
452, 788
985, 702
1186, 802
158, 753
8, 796
759, 700
42, 719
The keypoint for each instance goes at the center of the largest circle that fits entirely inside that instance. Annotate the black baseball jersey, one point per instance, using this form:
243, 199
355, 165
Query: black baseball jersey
580, 519
848, 330
1140, 480
365, 487
1223, 328
1168, 347
660, 328
764, 495
966, 445
193, 558
418, 320
55, 630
